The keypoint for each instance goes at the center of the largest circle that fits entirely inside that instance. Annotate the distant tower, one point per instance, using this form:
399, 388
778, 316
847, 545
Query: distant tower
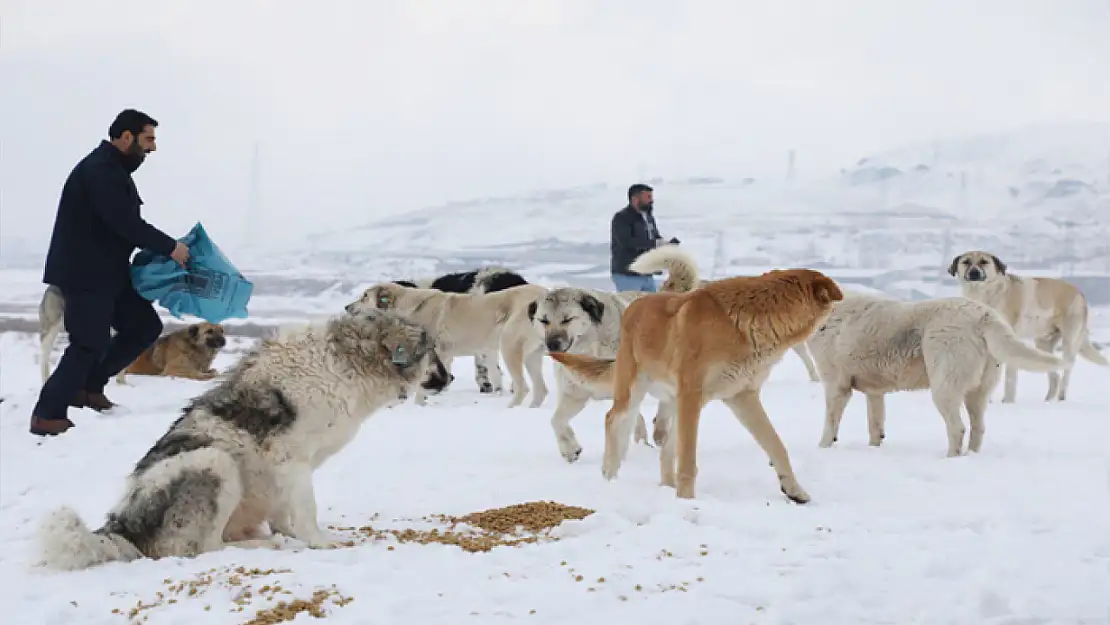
1069, 248
720, 262
790, 167
254, 201
963, 195
945, 258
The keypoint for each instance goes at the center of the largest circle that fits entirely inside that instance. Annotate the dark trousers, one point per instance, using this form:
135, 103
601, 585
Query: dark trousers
94, 355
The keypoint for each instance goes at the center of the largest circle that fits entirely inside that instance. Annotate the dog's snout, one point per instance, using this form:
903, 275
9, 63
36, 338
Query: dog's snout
975, 274
557, 344
350, 308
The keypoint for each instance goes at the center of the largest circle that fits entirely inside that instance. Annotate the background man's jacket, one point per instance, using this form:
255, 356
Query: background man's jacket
630, 238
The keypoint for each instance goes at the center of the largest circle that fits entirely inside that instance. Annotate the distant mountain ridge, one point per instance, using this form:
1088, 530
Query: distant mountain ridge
1039, 195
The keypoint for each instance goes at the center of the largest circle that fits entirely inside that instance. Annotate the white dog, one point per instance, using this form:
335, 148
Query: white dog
244, 452
1048, 310
461, 323
951, 346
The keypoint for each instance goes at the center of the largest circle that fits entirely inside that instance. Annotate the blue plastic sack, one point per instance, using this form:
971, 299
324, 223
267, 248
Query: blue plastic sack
210, 288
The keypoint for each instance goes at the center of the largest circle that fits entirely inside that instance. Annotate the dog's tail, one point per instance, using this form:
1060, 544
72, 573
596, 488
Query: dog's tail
595, 373
65, 543
681, 267
1005, 345
1089, 351
495, 278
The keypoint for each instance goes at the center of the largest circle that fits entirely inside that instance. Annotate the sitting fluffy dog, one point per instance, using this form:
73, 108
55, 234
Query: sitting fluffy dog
243, 453
951, 346
186, 353
462, 324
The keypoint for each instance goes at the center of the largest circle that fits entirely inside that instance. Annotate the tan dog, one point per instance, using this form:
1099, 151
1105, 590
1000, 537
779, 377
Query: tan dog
462, 323
675, 282
1048, 310
951, 346
186, 353
717, 342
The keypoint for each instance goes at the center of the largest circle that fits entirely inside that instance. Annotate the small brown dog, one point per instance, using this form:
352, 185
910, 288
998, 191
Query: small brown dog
186, 353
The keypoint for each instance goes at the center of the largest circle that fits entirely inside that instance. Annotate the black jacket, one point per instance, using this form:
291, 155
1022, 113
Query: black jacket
630, 238
99, 225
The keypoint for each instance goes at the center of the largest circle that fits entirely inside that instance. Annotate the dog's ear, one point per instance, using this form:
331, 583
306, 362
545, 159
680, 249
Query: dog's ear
532, 310
593, 307
954, 265
194, 331
383, 299
826, 290
998, 265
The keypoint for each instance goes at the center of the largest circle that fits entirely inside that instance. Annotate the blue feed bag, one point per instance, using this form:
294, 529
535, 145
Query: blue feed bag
211, 288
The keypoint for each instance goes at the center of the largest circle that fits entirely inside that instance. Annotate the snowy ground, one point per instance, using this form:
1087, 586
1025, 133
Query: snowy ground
896, 535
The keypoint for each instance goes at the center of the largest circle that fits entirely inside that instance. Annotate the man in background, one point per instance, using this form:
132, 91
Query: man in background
633, 233
97, 228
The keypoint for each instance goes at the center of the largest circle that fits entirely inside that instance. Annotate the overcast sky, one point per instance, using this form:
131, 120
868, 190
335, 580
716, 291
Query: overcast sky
370, 107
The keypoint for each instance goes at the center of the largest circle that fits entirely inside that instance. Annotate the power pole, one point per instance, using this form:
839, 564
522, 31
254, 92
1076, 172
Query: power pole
790, 168
1069, 248
254, 201
719, 260
945, 258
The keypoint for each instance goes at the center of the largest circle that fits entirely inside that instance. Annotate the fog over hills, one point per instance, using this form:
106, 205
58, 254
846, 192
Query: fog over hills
1038, 196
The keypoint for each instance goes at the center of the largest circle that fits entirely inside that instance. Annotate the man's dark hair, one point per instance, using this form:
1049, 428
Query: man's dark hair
637, 189
130, 119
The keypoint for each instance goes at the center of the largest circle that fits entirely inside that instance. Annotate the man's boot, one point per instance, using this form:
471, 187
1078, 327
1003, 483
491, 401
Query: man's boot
49, 427
96, 401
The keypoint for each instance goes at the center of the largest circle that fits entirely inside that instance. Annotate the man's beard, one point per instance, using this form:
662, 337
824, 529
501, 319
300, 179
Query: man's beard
133, 157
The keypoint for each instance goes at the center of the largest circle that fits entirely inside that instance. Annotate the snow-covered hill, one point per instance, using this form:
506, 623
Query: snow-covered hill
1038, 196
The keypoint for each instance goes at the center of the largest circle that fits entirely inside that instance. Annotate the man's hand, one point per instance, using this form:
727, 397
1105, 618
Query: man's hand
180, 253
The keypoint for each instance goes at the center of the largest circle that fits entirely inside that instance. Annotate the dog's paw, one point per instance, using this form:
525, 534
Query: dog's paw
796, 494
485, 387
659, 436
610, 467
572, 455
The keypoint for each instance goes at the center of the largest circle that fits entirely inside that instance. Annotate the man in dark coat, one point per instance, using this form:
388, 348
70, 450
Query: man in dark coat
633, 233
98, 226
